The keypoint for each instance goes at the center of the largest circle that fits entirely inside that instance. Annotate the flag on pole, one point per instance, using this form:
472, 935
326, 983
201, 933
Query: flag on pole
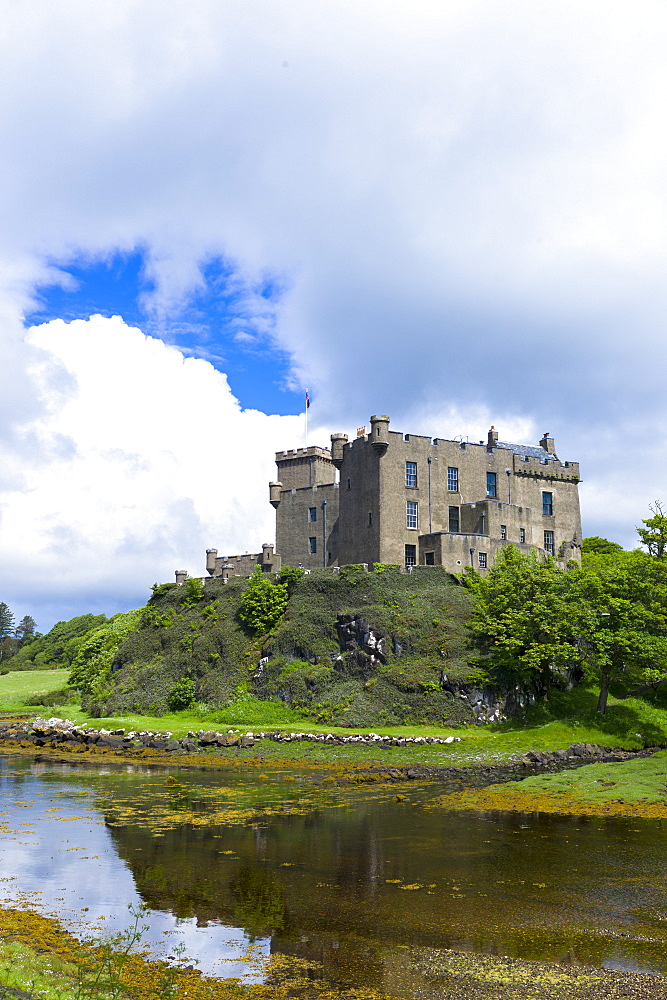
307, 399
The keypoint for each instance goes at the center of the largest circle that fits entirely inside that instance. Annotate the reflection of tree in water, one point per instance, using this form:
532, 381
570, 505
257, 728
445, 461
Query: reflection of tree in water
258, 901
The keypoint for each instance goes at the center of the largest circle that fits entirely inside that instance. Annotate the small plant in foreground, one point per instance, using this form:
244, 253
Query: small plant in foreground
100, 973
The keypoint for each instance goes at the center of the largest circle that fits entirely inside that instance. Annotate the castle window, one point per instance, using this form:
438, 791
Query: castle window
370, 519
549, 542
411, 514
503, 532
522, 535
312, 513
482, 559
547, 504
452, 479
313, 546
491, 488
410, 556
454, 519
411, 475
430, 558
349, 484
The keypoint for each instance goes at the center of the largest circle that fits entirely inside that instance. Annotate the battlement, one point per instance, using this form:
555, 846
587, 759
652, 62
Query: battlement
303, 467
545, 468
313, 450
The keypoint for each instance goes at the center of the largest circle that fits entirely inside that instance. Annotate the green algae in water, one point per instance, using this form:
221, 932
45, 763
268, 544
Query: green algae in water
326, 872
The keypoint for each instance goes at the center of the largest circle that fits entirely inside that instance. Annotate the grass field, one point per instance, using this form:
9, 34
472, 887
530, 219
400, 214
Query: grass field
16, 687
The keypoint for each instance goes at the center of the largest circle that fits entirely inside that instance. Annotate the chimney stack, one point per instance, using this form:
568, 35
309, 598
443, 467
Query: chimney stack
548, 443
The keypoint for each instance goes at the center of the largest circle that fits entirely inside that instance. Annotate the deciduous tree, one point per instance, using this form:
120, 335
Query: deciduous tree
654, 533
620, 609
522, 620
263, 603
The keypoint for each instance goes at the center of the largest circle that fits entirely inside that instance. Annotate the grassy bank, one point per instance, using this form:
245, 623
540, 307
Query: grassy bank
568, 718
636, 788
19, 685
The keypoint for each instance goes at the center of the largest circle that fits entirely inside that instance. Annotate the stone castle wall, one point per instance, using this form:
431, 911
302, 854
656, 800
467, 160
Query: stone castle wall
472, 497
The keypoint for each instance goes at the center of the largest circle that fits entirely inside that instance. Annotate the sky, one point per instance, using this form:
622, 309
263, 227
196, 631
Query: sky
452, 212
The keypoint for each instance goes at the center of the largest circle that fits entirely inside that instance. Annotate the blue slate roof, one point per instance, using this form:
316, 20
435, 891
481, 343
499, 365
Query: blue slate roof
527, 451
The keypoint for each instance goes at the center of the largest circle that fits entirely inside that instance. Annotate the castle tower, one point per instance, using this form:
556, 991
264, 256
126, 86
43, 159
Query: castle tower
305, 498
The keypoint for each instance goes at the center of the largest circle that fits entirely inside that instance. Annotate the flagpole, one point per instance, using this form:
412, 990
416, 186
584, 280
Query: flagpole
306, 421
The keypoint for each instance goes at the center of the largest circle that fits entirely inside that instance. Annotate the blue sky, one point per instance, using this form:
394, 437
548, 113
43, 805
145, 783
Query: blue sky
454, 213
212, 322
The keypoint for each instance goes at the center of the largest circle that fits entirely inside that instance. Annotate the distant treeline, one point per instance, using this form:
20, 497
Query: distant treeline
14, 637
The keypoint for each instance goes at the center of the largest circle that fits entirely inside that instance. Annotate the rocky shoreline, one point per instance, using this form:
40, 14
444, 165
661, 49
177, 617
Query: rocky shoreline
54, 732
64, 735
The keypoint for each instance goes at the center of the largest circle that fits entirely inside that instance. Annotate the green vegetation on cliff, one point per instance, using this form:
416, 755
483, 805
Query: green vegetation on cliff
358, 649
352, 647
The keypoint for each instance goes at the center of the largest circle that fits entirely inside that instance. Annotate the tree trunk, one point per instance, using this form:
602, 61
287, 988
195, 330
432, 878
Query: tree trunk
605, 680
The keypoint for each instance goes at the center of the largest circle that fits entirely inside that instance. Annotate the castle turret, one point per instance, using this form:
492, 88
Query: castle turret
181, 577
380, 433
338, 442
301, 467
275, 490
211, 556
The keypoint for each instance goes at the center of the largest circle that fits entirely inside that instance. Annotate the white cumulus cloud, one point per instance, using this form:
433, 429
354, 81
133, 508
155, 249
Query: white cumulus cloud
139, 460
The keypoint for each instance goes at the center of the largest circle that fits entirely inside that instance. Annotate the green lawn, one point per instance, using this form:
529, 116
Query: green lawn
17, 686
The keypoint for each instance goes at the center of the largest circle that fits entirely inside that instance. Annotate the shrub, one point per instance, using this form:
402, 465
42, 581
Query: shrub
262, 603
193, 591
159, 590
50, 699
291, 576
182, 695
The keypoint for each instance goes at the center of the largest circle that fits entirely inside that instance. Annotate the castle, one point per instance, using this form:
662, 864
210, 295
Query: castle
388, 497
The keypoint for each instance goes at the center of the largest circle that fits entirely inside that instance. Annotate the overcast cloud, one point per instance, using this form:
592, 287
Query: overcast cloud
465, 205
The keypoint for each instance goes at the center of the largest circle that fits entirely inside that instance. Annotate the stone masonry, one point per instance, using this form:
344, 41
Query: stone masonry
413, 500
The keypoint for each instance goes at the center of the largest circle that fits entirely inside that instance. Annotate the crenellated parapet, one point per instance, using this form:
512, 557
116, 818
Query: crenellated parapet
545, 468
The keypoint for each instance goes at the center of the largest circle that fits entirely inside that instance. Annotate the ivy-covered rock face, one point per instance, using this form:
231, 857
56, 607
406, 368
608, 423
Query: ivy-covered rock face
353, 647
